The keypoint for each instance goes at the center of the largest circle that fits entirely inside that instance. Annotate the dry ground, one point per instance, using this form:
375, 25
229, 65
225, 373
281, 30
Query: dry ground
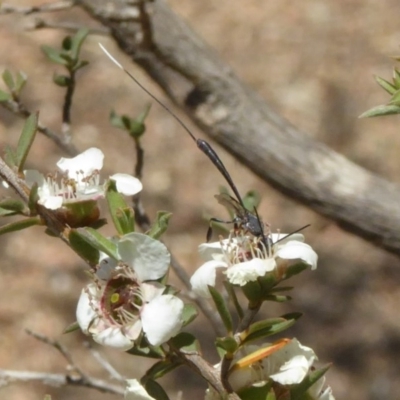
313, 61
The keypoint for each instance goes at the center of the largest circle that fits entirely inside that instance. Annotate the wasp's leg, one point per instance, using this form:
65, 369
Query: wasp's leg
220, 221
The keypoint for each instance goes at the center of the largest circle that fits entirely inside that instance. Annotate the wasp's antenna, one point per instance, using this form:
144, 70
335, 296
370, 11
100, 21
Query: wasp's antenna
201, 144
292, 233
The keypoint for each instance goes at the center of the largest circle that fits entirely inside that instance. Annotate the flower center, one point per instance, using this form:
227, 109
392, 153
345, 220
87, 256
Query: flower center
122, 300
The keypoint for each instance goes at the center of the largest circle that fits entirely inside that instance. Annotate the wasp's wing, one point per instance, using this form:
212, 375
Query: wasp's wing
230, 203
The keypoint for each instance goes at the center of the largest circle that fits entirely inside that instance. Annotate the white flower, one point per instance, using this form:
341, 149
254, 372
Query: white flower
287, 366
135, 391
129, 300
80, 181
246, 258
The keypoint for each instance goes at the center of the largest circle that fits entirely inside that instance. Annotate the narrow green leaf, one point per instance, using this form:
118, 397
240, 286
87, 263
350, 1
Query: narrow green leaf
146, 352
54, 55
228, 344
381, 110
295, 269
19, 225
267, 327
155, 390
99, 242
186, 342
10, 156
395, 99
384, 84
6, 213
16, 206
222, 308
26, 139
136, 126
83, 248
189, 314
33, 198
122, 215
72, 328
116, 120
161, 368
396, 78
20, 81
299, 390
258, 392
160, 224
232, 295
251, 199
77, 41
253, 291
61, 80
9, 80
4, 96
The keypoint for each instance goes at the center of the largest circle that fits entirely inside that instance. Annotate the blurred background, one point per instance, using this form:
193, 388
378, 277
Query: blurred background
313, 62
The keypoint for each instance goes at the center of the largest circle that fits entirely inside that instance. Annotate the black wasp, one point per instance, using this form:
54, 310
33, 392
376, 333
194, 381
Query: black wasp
244, 219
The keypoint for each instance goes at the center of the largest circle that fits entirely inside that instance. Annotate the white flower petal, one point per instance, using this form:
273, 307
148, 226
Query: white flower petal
148, 257
249, 271
113, 337
32, 176
205, 276
297, 250
293, 371
207, 250
87, 162
84, 310
162, 318
135, 391
127, 184
51, 202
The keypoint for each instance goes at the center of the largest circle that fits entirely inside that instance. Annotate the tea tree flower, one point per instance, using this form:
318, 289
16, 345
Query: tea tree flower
245, 259
135, 391
79, 181
129, 301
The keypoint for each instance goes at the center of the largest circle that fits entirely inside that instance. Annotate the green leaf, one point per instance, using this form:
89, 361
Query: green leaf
155, 390
54, 55
258, 393
83, 248
395, 99
251, 200
222, 308
396, 78
253, 291
33, 198
232, 295
228, 344
10, 156
61, 80
99, 242
137, 127
122, 215
66, 43
146, 351
19, 225
20, 81
4, 96
161, 368
12, 206
186, 342
116, 120
9, 80
300, 389
268, 327
160, 225
77, 41
189, 314
295, 269
384, 84
72, 328
26, 139
381, 110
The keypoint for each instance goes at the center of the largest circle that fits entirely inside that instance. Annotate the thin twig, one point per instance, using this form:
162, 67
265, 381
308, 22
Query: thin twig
47, 7
8, 376
104, 363
18, 108
39, 23
60, 348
